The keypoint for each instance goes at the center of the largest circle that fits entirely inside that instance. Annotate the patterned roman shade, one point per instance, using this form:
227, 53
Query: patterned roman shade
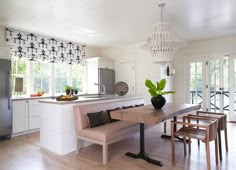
36, 47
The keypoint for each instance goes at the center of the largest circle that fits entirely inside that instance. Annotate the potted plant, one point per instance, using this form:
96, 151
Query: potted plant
157, 92
67, 89
75, 89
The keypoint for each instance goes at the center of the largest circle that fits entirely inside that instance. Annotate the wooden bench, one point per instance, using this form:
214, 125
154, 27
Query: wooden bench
108, 133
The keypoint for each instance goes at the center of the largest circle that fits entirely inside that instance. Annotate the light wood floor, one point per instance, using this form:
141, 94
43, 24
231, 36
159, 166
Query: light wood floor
23, 153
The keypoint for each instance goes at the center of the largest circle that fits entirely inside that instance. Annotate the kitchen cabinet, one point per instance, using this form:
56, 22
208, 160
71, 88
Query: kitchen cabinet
34, 114
20, 116
26, 115
5, 47
100, 62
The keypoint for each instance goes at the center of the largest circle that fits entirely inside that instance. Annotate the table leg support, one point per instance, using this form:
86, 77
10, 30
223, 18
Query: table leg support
142, 154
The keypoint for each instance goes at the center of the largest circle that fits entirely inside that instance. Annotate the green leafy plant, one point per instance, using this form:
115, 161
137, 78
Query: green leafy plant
67, 87
157, 89
75, 88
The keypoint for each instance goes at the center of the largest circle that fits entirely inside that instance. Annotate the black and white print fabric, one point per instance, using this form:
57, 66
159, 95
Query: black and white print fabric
36, 47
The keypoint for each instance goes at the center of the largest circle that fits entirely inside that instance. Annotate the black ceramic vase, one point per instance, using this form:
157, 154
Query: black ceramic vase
158, 101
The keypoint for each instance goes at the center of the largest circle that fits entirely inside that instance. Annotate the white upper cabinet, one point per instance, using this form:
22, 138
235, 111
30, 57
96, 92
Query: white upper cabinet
5, 47
5, 52
101, 62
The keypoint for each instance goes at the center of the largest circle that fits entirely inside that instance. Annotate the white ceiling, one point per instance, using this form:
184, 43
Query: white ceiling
112, 22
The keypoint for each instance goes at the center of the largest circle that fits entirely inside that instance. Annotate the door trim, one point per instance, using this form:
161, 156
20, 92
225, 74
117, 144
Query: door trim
134, 72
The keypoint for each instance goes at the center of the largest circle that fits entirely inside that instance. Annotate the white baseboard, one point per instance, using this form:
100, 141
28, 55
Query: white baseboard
24, 133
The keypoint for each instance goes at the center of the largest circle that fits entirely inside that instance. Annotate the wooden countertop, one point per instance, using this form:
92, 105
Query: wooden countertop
147, 114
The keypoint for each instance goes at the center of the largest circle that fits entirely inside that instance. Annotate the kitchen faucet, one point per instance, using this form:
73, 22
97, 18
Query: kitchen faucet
104, 88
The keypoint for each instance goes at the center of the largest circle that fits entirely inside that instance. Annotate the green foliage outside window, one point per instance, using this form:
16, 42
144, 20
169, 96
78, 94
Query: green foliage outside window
37, 76
18, 69
41, 77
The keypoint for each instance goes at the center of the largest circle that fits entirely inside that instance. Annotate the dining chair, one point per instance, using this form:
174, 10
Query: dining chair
222, 126
206, 132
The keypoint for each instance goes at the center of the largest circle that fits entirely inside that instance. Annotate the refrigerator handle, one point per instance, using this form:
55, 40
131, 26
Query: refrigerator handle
9, 90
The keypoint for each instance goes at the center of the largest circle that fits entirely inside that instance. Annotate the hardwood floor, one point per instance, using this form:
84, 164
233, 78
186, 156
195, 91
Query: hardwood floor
23, 153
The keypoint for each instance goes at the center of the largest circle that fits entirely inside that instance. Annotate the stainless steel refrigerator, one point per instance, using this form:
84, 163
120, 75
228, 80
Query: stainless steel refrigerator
107, 78
5, 100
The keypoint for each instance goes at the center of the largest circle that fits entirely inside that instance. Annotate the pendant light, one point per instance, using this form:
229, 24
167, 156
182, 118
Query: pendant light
162, 43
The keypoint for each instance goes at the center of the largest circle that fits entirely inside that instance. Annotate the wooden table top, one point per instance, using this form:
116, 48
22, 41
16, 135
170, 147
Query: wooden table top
148, 115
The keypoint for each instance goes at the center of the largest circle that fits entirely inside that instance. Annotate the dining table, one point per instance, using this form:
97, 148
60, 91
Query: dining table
147, 114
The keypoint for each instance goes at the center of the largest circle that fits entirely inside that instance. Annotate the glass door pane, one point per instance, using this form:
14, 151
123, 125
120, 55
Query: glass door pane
196, 80
214, 77
225, 85
218, 84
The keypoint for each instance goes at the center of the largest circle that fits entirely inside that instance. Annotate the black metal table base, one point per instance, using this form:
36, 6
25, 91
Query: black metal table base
142, 154
144, 157
165, 136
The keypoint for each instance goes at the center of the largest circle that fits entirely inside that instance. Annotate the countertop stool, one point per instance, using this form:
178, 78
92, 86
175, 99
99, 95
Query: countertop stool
205, 131
222, 118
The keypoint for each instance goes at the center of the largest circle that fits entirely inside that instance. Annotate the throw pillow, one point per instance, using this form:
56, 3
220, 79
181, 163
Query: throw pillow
137, 105
126, 107
109, 114
96, 119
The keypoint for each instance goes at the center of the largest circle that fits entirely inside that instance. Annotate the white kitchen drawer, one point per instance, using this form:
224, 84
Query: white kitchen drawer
33, 102
34, 122
34, 110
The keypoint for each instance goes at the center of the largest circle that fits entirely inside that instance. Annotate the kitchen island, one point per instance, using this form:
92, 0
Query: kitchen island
57, 128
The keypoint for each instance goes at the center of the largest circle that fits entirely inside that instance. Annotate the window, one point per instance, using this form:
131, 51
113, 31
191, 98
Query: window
196, 83
19, 69
62, 77
41, 77
78, 77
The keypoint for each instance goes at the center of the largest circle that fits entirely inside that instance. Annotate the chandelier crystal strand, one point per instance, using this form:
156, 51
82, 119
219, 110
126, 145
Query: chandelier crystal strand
162, 43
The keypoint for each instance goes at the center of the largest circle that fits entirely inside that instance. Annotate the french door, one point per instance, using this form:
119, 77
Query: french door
213, 84
232, 87
217, 84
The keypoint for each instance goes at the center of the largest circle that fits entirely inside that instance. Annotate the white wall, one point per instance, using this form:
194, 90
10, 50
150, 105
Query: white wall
92, 51
194, 50
145, 68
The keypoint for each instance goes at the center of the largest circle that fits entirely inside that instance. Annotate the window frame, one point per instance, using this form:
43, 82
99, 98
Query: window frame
29, 78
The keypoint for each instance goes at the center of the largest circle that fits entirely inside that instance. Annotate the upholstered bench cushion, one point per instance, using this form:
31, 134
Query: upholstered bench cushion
110, 131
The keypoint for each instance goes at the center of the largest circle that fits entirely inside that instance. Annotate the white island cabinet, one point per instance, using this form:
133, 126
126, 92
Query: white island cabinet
57, 128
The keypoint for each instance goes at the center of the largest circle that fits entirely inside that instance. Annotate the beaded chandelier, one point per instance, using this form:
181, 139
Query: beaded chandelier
162, 43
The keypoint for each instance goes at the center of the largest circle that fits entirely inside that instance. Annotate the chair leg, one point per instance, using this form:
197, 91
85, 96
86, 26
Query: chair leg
184, 146
165, 123
105, 153
220, 150
198, 141
78, 145
172, 144
189, 145
226, 140
216, 151
208, 155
